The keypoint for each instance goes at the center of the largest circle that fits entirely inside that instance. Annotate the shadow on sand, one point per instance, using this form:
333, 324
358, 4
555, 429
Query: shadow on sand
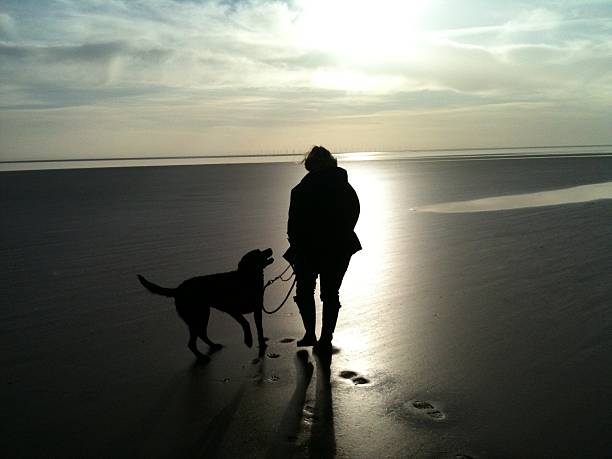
319, 418
178, 424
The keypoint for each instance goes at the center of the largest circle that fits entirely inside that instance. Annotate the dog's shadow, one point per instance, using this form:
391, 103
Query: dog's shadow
180, 422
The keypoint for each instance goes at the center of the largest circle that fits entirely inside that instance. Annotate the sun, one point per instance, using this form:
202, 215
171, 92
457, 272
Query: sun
361, 31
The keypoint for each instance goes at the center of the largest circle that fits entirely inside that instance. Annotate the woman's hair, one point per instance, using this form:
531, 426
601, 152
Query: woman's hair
319, 158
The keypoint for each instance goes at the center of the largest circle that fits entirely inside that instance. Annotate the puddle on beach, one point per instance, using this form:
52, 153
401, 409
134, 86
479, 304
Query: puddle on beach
584, 193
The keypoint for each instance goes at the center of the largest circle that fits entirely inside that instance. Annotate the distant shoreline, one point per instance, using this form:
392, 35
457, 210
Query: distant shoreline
428, 155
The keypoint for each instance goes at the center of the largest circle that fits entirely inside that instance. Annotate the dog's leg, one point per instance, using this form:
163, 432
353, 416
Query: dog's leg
193, 336
259, 326
248, 337
204, 332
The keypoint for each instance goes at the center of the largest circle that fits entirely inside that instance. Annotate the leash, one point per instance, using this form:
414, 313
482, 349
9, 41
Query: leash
271, 281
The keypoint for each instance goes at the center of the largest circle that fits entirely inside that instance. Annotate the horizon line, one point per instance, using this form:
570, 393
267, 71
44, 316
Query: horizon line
272, 155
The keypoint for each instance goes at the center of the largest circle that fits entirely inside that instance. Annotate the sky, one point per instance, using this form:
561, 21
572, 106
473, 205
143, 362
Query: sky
119, 78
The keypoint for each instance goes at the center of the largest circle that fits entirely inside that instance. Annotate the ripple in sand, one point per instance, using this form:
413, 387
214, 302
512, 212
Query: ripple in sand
272, 355
273, 378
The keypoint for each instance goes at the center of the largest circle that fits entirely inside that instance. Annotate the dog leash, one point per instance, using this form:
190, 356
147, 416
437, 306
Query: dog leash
271, 281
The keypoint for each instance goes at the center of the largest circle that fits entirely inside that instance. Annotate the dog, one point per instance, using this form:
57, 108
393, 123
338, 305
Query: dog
236, 293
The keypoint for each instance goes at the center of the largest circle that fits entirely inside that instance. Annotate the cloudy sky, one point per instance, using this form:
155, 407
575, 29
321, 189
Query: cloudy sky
96, 78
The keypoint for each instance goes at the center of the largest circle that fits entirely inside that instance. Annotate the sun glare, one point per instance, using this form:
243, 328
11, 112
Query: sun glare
361, 31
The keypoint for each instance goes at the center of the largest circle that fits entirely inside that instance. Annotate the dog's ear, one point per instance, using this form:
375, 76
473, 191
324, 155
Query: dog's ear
243, 264
249, 260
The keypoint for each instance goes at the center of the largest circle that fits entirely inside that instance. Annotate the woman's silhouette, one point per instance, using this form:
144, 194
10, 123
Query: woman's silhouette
322, 216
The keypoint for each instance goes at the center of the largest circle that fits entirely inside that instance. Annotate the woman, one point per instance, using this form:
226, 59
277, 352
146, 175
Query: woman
322, 216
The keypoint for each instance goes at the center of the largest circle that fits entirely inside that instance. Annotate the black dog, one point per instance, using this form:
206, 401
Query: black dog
236, 293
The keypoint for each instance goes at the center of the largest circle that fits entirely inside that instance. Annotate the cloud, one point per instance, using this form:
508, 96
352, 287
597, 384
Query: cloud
250, 44
85, 53
8, 30
235, 65
67, 75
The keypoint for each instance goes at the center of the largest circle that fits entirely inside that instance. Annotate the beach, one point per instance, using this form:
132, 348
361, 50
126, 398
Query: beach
462, 334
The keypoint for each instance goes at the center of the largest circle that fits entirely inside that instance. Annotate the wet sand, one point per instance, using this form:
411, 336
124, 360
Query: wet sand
481, 334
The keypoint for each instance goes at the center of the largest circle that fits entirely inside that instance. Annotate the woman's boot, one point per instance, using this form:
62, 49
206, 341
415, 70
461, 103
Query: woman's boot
330, 318
308, 313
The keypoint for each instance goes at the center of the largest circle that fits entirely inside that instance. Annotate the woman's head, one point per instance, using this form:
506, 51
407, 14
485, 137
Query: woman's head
319, 158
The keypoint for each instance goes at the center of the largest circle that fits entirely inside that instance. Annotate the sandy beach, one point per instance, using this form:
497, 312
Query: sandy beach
462, 334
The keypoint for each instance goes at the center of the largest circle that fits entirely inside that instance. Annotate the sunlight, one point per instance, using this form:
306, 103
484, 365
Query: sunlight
362, 32
354, 340
368, 266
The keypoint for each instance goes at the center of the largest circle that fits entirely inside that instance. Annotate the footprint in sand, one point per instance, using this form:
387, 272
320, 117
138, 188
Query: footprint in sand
422, 405
287, 340
347, 374
429, 410
273, 379
354, 377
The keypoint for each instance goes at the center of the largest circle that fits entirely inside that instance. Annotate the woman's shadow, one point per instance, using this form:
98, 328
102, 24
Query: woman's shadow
322, 443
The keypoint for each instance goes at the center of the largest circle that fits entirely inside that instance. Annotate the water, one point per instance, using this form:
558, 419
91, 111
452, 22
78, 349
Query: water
415, 155
572, 195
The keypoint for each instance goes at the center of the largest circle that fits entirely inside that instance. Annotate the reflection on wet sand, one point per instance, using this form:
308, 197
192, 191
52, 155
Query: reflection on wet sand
577, 194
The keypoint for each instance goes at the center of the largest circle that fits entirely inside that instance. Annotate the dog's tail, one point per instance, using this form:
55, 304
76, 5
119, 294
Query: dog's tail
156, 289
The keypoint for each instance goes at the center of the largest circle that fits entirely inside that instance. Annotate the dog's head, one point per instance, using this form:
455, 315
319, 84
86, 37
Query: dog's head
256, 260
